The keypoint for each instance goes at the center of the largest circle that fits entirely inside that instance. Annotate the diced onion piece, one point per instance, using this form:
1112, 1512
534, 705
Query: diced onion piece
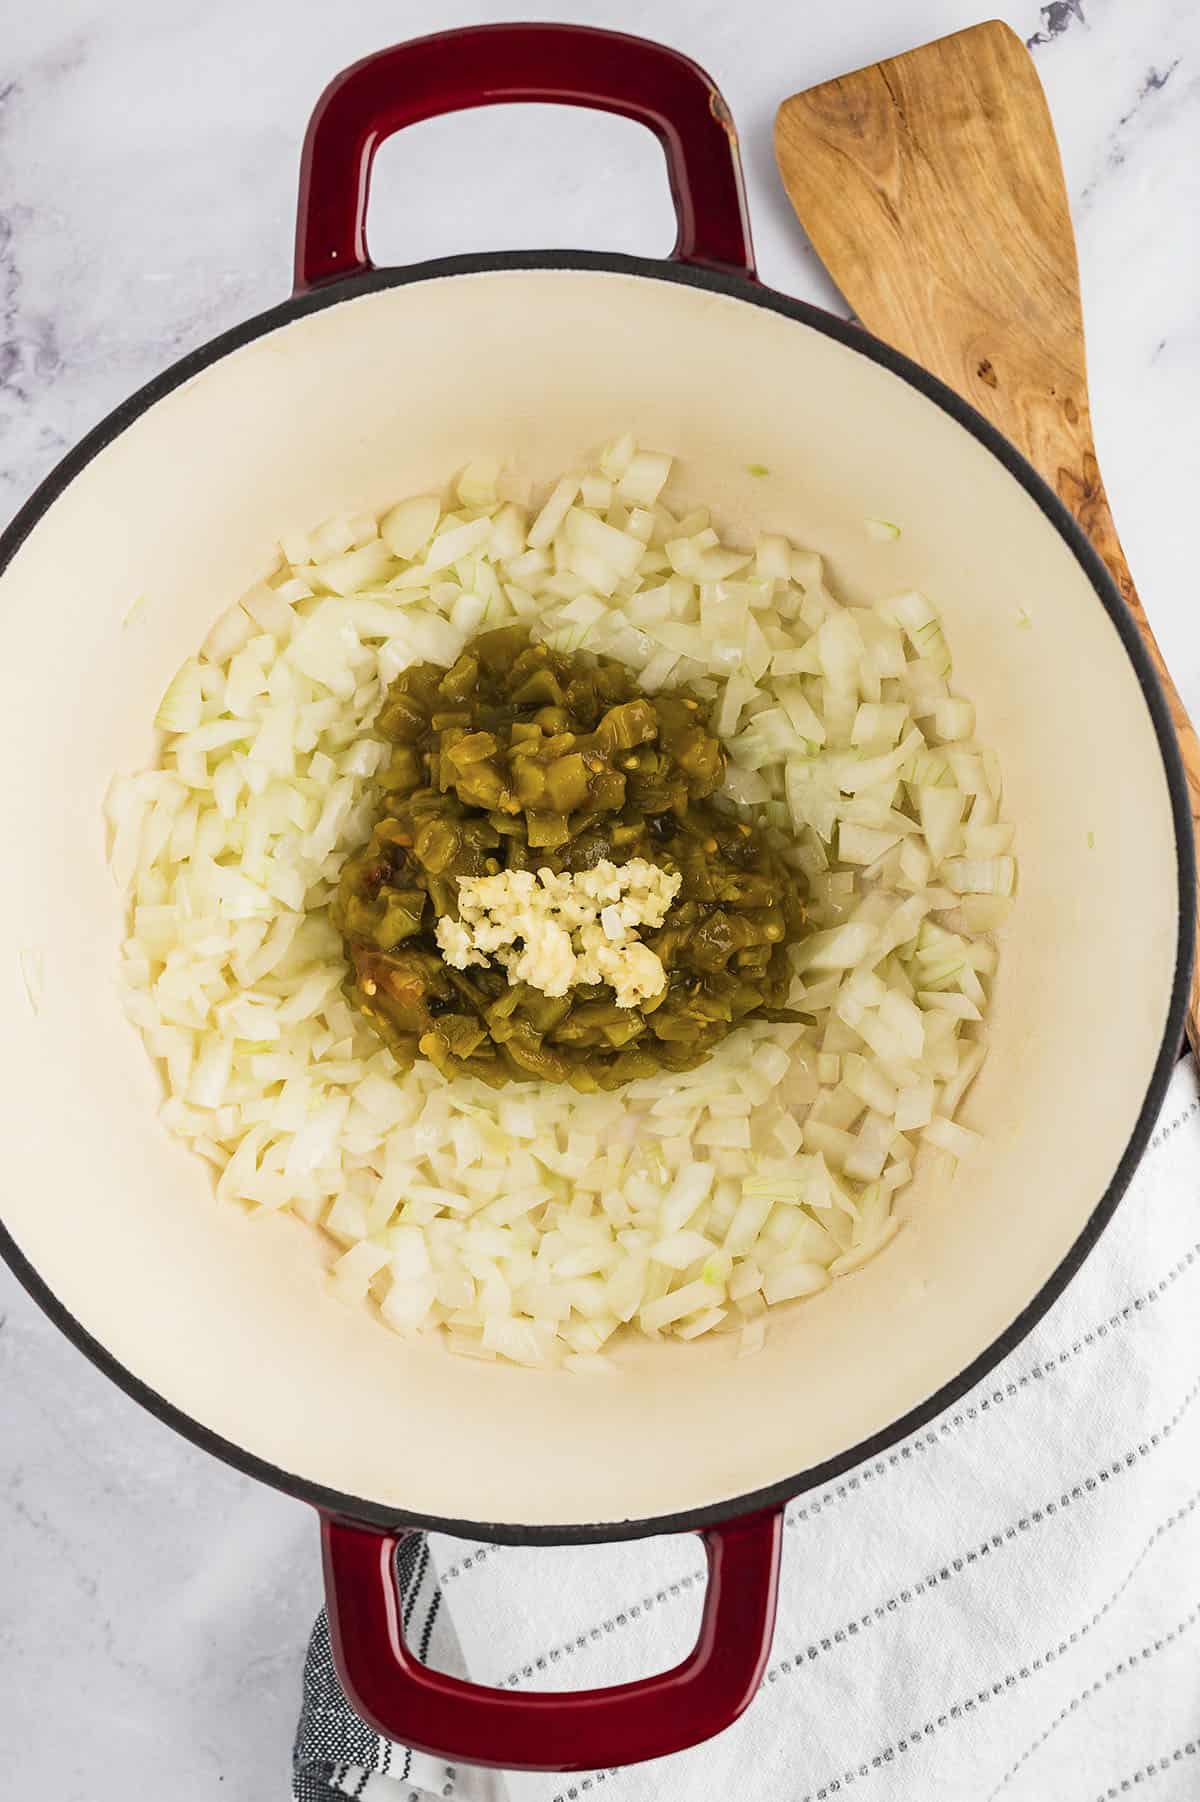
691, 1187
453, 542
644, 478
408, 528
980, 875
841, 948
233, 629
953, 719
808, 725
701, 1323
616, 457
508, 534
354, 1269
959, 1141
859, 1255
210, 1073
179, 709
692, 1298
773, 559
879, 722
269, 611
914, 1106
523, 1342
551, 517
970, 1061
619, 549
795, 1280
940, 813
863, 844
679, 1250
370, 564
476, 486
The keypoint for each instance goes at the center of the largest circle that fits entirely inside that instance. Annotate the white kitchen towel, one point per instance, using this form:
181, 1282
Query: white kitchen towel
1004, 1606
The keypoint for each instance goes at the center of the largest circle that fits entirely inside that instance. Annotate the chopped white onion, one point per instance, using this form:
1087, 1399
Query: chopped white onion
531, 1224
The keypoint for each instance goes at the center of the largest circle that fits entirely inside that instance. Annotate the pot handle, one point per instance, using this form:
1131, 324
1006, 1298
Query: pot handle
542, 1730
572, 65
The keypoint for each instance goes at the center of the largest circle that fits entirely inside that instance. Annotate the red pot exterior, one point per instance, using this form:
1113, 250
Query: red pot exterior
552, 1731
483, 65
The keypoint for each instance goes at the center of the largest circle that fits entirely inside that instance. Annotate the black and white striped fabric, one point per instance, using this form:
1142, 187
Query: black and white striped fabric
1003, 1608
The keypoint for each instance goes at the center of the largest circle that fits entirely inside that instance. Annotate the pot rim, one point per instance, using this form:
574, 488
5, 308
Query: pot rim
854, 337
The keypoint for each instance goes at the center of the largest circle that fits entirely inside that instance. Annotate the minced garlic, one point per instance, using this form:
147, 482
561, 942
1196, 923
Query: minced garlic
555, 932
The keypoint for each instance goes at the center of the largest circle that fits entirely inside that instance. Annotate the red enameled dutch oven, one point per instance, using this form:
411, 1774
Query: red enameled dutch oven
371, 384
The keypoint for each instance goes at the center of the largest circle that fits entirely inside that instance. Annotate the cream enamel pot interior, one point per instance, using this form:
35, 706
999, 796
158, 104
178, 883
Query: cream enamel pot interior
372, 387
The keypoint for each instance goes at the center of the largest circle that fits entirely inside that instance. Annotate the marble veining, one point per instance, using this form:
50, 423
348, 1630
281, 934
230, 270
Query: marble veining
154, 1606
1058, 17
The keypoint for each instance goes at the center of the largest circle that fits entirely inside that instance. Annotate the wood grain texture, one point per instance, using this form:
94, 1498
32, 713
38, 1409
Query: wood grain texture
932, 190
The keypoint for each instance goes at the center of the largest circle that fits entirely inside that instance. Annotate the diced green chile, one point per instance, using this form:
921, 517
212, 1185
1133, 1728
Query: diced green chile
521, 758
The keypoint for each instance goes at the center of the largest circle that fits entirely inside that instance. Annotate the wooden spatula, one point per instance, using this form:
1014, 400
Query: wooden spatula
931, 188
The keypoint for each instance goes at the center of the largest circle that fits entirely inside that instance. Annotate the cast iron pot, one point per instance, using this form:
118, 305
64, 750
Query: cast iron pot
370, 384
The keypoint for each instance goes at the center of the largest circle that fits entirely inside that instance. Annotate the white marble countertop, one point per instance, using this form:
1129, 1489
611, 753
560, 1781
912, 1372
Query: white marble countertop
154, 1606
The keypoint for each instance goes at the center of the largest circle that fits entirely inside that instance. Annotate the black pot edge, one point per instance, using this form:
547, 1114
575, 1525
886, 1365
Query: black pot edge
774, 1495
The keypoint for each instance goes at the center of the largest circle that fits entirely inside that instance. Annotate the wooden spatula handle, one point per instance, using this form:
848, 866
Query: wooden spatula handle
1089, 504
932, 190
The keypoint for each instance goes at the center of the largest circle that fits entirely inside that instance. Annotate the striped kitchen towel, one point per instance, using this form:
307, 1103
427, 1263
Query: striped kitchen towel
1003, 1608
